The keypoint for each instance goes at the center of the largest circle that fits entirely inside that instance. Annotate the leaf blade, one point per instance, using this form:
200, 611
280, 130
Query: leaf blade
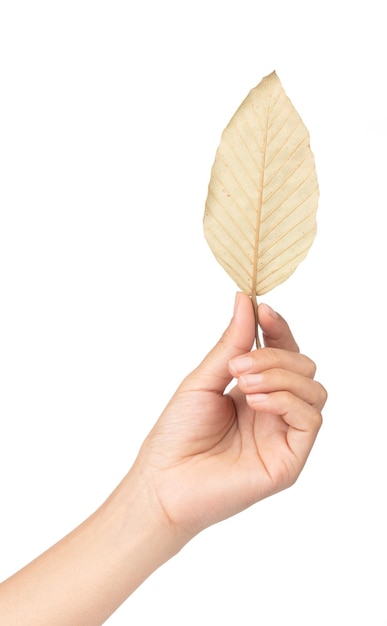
260, 213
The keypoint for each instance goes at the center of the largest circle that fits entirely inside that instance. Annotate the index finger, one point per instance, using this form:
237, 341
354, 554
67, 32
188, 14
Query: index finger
276, 331
272, 359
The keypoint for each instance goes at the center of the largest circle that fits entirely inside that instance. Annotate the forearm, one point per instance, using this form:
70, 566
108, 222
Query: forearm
85, 577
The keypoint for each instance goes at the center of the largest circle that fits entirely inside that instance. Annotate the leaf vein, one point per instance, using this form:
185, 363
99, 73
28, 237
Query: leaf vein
290, 194
283, 145
286, 234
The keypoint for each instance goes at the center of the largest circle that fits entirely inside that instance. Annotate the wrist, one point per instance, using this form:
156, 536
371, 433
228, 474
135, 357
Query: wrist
142, 534
87, 575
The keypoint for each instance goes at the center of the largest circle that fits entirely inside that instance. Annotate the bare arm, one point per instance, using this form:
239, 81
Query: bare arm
209, 456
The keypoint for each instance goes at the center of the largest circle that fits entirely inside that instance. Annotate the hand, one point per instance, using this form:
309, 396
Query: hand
212, 454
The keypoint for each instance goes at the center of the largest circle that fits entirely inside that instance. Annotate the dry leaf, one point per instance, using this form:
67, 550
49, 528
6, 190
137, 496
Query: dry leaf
260, 215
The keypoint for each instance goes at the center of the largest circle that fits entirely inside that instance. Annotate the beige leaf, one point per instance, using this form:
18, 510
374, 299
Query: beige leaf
260, 215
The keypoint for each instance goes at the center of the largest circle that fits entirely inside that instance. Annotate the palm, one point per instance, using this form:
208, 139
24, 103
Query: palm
212, 454
220, 450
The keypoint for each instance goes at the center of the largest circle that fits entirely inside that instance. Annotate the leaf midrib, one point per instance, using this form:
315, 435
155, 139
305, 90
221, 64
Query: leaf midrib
260, 197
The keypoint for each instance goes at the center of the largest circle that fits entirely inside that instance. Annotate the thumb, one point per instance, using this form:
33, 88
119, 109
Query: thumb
213, 373
276, 331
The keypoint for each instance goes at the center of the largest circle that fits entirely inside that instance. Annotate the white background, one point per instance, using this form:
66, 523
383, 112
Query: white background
110, 115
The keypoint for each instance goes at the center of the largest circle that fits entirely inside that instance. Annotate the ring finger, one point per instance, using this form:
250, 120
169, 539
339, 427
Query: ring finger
306, 389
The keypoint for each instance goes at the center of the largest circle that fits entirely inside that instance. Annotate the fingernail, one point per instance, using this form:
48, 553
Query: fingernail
251, 379
270, 311
236, 302
241, 364
254, 398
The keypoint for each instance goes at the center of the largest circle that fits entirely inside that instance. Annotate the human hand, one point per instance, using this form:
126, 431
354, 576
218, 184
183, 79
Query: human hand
212, 454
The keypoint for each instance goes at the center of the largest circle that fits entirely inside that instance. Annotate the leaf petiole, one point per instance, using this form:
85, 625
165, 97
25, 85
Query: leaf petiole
255, 307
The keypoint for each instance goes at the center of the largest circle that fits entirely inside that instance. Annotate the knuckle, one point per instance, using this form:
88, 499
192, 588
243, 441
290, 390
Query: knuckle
323, 394
275, 378
287, 398
282, 377
316, 419
271, 357
311, 367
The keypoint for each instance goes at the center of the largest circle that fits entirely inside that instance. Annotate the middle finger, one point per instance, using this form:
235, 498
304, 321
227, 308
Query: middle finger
277, 379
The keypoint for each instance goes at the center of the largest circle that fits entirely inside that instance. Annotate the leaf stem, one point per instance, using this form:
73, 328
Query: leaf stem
255, 307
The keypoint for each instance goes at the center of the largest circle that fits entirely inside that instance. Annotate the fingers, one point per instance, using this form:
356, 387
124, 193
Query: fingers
303, 420
275, 380
295, 412
213, 373
281, 383
271, 358
276, 332
267, 372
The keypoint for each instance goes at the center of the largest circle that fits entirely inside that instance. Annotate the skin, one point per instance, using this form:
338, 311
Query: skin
210, 455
